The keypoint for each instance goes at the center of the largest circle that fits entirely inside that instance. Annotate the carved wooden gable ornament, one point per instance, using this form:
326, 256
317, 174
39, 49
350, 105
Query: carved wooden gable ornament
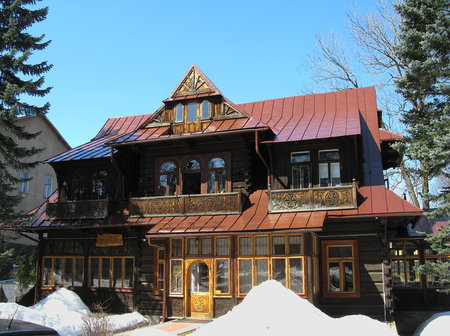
194, 87
193, 83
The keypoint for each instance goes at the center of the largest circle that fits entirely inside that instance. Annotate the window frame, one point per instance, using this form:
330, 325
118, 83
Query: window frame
271, 257
62, 249
24, 185
299, 165
159, 262
202, 104
216, 293
181, 173
48, 187
400, 258
111, 272
329, 163
82, 183
327, 293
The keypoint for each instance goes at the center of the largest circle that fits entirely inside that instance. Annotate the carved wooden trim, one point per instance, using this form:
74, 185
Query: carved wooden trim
342, 197
202, 204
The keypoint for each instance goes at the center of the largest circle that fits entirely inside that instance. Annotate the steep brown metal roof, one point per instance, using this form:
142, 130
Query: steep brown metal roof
112, 129
316, 116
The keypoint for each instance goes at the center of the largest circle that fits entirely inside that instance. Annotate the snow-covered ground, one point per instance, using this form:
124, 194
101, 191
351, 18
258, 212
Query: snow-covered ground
63, 311
271, 309
268, 309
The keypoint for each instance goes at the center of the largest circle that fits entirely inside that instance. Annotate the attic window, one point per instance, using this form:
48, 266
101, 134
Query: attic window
179, 113
204, 109
191, 112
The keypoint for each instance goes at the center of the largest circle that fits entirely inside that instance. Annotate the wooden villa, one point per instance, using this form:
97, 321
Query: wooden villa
181, 212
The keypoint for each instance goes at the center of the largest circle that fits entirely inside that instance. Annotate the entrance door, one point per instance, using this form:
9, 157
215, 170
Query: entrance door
200, 293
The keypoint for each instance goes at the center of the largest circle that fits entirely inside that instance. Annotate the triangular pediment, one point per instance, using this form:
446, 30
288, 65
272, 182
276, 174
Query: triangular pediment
193, 83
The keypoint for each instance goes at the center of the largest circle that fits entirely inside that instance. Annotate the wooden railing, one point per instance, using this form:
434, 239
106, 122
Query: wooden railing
86, 209
204, 204
330, 198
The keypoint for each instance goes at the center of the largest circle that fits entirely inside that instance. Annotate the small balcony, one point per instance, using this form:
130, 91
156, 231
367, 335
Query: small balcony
86, 209
330, 198
203, 204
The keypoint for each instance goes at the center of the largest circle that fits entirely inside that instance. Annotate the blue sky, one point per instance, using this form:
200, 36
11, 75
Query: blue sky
117, 58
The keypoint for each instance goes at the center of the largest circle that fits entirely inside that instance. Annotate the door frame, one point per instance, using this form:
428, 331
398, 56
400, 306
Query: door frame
187, 283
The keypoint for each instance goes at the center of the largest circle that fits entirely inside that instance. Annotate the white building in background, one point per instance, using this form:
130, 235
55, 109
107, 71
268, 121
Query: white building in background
43, 177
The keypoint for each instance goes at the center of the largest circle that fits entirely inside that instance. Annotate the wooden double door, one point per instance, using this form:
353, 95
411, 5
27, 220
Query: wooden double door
198, 299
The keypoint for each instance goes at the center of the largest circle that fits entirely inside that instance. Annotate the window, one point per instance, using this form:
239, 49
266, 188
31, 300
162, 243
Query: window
204, 109
188, 175
329, 168
48, 182
159, 274
99, 184
222, 246
191, 112
222, 276
199, 246
63, 264
300, 163
341, 268
176, 276
177, 247
194, 111
23, 186
179, 113
192, 178
88, 184
216, 176
80, 185
277, 257
404, 256
168, 179
111, 266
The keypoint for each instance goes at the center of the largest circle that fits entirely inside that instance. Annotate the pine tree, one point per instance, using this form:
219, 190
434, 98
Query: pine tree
425, 48
18, 78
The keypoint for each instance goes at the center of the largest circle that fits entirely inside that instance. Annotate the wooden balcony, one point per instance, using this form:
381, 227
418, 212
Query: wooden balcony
87, 209
331, 198
204, 204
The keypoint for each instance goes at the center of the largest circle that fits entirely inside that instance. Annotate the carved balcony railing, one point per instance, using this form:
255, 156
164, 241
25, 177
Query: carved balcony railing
86, 209
204, 204
331, 198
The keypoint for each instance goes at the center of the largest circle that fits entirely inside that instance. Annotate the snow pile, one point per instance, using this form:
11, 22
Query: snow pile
271, 309
62, 310
435, 325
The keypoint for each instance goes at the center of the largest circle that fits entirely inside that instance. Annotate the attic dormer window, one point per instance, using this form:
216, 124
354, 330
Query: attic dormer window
204, 109
191, 112
179, 113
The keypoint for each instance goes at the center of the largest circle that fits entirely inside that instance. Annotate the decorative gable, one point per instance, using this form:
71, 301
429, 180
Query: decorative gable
193, 105
192, 84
